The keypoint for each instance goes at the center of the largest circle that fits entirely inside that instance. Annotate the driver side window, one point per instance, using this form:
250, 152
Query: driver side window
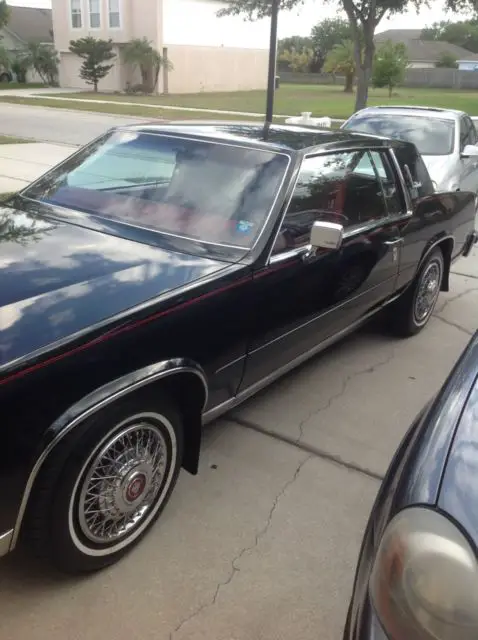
342, 187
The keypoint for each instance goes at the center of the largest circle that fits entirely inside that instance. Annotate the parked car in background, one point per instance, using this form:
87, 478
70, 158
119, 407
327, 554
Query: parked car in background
165, 273
418, 569
446, 139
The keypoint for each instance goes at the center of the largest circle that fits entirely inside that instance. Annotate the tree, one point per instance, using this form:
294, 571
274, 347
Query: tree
446, 61
463, 33
389, 65
4, 13
327, 34
294, 42
139, 52
342, 60
43, 59
363, 16
94, 53
297, 60
20, 67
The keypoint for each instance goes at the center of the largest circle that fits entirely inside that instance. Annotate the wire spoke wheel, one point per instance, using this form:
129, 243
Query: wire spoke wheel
122, 483
427, 292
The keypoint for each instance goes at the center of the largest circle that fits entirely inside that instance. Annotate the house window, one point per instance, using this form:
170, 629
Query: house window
95, 16
76, 19
114, 19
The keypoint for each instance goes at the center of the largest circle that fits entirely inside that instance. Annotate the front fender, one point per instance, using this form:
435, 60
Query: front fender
119, 387
94, 401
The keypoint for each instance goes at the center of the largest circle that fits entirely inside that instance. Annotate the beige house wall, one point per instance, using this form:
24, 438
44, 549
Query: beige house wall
216, 66
69, 75
134, 23
197, 69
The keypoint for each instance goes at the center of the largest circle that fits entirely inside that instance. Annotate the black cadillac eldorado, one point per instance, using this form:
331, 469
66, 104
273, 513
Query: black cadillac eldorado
163, 274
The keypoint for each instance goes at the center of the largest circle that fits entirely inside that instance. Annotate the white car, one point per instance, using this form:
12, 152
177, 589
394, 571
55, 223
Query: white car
446, 139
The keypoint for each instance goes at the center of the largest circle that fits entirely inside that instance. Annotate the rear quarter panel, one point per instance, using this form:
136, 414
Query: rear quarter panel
435, 217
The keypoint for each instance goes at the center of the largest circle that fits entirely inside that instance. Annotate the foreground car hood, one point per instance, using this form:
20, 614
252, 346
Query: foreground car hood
459, 491
58, 278
443, 171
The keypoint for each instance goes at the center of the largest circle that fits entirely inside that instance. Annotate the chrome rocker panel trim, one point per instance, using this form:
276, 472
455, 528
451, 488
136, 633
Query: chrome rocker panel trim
5, 542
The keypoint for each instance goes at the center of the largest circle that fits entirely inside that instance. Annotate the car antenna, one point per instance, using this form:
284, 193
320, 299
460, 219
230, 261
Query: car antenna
271, 78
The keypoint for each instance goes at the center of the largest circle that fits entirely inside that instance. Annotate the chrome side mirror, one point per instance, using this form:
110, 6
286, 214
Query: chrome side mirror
470, 151
326, 235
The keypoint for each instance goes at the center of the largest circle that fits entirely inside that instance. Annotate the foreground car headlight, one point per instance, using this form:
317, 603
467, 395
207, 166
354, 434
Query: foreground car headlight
424, 582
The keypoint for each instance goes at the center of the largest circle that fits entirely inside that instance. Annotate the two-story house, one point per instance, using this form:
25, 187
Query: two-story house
207, 53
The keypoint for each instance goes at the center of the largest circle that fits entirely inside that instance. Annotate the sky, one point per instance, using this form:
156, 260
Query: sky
300, 22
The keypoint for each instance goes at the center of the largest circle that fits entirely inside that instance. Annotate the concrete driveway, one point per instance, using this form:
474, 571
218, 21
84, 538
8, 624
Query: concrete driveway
262, 544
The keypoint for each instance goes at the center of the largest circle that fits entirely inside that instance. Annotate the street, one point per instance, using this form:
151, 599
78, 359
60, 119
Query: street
262, 544
56, 125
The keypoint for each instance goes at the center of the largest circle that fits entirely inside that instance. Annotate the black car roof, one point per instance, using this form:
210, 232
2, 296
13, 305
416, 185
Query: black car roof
288, 138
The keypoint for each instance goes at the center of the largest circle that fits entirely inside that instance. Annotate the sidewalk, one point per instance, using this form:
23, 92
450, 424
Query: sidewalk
21, 164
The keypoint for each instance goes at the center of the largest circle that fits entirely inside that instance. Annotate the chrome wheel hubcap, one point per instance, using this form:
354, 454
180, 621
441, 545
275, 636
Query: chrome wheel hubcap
122, 483
427, 293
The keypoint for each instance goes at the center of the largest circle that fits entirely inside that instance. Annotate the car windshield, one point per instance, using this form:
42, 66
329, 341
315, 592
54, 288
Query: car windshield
208, 191
431, 136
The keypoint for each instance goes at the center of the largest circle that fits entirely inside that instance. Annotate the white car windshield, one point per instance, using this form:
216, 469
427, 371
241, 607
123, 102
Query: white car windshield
431, 136
213, 192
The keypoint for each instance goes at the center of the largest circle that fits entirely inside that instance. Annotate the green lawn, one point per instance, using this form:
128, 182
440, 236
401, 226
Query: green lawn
4, 86
292, 99
12, 140
120, 109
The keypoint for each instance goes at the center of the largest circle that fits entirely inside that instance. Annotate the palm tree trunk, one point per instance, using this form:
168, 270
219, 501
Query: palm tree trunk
349, 83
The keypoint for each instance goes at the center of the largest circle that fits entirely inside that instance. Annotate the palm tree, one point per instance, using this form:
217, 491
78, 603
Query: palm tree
140, 53
341, 59
44, 59
4, 13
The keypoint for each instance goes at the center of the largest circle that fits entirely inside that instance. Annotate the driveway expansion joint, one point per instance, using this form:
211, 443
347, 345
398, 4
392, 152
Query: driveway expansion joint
460, 295
464, 275
455, 325
314, 452
234, 563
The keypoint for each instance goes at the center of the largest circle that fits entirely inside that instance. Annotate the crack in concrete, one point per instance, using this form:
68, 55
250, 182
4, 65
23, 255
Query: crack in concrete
345, 383
455, 298
257, 538
453, 324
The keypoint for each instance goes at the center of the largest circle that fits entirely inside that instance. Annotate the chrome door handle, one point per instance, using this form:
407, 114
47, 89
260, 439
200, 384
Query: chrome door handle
393, 243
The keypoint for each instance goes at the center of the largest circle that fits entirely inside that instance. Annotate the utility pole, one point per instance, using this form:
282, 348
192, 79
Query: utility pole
271, 81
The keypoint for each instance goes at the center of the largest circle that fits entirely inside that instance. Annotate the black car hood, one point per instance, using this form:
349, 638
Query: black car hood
57, 278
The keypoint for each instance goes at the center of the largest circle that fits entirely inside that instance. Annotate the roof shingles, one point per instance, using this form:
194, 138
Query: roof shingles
424, 50
31, 24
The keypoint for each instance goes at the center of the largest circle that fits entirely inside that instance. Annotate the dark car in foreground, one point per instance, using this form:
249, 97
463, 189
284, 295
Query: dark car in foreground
165, 273
417, 573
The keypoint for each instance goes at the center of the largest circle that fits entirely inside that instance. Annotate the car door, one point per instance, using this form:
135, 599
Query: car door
303, 298
468, 167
